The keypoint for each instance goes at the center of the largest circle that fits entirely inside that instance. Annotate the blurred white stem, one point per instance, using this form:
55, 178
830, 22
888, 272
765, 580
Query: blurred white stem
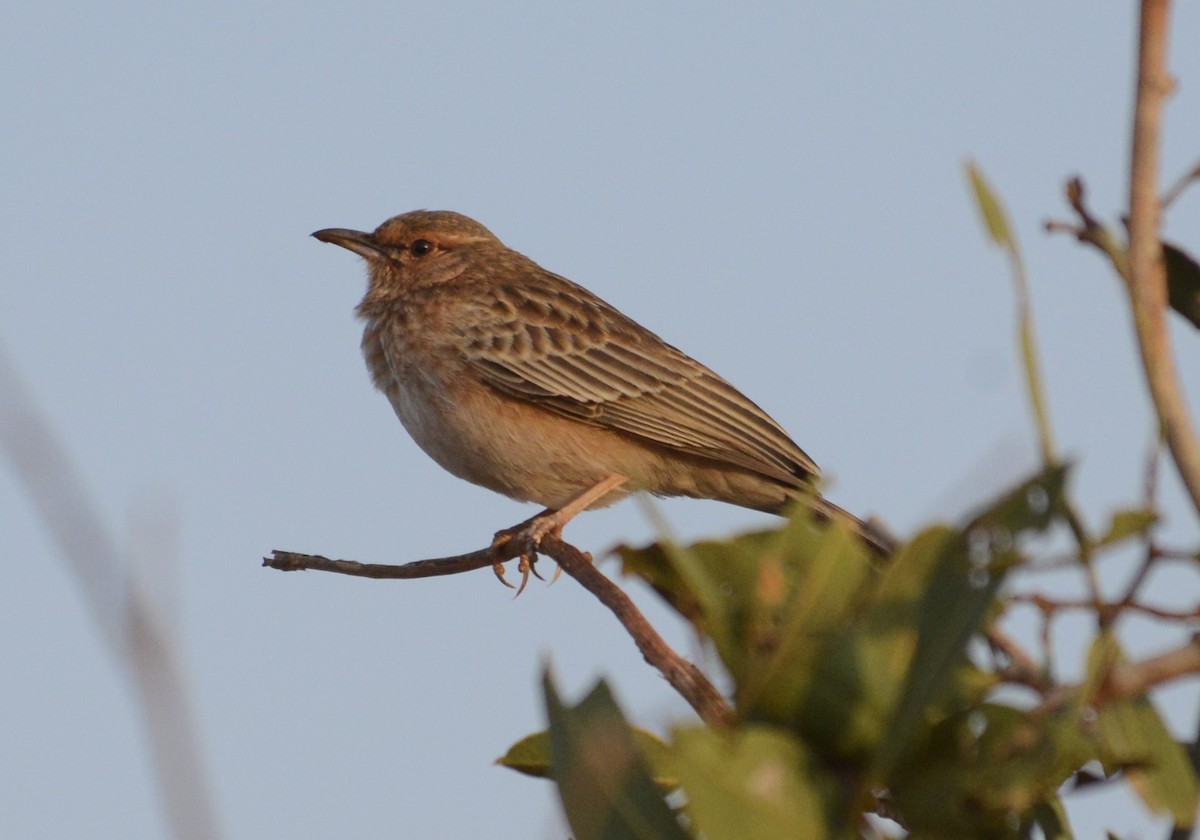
137, 634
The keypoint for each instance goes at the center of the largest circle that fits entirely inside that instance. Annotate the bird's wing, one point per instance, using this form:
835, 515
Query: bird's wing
557, 345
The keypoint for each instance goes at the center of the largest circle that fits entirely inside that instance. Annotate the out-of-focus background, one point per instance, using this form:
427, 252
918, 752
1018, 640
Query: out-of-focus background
777, 189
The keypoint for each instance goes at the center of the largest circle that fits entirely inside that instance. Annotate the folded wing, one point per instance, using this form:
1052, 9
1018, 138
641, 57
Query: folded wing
568, 351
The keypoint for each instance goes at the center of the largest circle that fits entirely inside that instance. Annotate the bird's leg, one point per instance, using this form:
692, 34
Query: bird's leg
550, 521
553, 521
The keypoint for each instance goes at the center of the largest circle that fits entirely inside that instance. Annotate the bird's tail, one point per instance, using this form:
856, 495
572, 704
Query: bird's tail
873, 534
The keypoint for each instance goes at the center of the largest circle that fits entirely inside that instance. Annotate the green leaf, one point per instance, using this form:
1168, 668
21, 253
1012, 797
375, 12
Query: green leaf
994, 218
1103, 654
1001, 234
758, 591
1051, 818
842, 688
1128, 523
531, 756
952, 611
756, 783
805, 594
703, 583
726, 567
1034, 505
606, 790
1183, 283
967, 573
1134, 737
983, 766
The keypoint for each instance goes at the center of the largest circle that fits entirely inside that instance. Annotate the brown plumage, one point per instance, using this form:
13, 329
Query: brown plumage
524, 382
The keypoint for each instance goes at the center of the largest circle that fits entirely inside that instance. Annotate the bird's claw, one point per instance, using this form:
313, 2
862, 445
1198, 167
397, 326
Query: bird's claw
526, 566
527, 536
532, 566
498, 569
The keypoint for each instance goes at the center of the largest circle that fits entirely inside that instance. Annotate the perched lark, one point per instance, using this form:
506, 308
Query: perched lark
519, 380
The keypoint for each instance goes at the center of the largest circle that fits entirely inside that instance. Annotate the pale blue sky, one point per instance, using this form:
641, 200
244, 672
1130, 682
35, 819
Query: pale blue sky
775, 188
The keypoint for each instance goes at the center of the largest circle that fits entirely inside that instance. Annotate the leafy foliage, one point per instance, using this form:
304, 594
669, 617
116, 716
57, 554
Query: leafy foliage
605, 785
850, 679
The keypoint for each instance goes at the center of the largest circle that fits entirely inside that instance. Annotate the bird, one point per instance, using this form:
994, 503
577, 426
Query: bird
517, 379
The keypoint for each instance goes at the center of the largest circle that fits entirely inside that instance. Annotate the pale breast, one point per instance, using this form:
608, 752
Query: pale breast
416, 378
491, 440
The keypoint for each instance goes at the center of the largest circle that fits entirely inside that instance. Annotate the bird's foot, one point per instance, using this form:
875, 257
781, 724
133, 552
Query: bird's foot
527, 536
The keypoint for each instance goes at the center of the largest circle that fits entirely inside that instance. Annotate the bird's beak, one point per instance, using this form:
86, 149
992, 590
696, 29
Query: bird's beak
363, 244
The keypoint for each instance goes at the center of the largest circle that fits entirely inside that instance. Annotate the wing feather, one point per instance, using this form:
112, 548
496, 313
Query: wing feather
565, 349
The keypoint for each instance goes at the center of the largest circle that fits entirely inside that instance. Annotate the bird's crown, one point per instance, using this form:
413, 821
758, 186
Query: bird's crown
432, 224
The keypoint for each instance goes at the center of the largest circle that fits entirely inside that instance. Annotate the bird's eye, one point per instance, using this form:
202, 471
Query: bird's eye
420, 247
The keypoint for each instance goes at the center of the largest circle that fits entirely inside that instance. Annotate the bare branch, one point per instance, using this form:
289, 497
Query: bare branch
1147, 280
683, 676
1131, 679
290, 561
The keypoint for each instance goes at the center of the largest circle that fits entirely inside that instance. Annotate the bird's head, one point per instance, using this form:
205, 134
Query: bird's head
412, 250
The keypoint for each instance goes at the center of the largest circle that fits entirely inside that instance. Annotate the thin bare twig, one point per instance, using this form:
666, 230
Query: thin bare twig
1110, 609
1021, 666
1182, 554
1058, 562
1184, 181
683, 676
1090, 231
1131, 679
1149, 502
